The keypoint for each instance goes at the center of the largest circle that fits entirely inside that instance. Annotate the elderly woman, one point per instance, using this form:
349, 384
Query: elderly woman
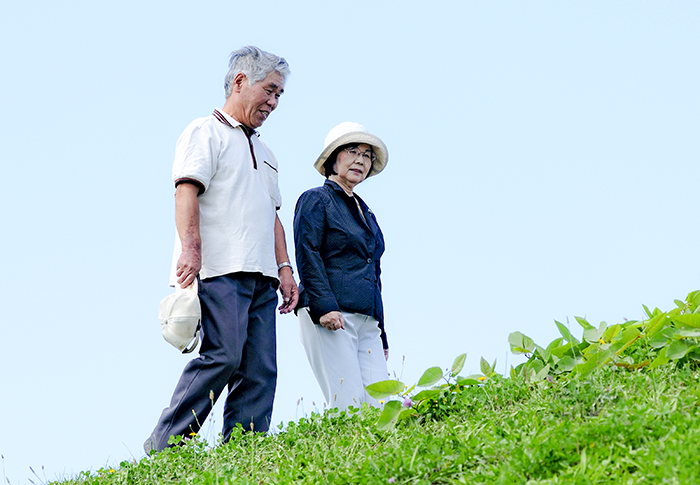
338, 245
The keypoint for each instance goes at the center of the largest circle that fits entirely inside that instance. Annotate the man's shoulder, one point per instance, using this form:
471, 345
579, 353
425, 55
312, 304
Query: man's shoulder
203, 122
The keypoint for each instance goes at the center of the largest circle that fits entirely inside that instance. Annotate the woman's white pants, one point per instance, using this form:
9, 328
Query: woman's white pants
344, 361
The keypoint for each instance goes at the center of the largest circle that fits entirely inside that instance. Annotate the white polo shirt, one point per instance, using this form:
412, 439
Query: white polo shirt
238, 205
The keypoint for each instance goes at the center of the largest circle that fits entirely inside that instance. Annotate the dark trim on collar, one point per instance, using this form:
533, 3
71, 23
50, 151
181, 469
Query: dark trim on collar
217, 114
248, 131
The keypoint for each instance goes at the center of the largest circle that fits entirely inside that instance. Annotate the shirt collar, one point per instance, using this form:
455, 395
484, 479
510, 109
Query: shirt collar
227, 120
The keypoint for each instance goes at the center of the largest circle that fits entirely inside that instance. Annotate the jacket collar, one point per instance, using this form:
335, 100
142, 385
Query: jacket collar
338, 188
334, 186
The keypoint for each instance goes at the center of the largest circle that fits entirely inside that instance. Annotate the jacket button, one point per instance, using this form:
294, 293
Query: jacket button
369, 260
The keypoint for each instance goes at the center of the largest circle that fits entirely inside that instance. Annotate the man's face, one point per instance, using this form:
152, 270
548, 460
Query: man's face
260, 99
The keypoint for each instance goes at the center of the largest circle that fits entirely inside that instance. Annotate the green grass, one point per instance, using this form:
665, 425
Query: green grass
613, 426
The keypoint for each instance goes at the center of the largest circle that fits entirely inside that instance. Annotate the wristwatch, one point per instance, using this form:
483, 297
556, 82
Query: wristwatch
285, 264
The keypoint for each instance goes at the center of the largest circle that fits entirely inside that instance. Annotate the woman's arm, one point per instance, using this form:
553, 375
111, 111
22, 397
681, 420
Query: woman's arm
309, 232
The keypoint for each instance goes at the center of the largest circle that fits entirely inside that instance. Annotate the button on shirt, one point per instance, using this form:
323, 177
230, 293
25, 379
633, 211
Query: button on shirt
238, 198
338, 248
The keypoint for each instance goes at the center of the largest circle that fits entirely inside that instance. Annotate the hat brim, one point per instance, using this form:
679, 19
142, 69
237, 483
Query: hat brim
359, 137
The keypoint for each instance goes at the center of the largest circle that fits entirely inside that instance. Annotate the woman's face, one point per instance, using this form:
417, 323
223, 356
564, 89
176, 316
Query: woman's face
353, 164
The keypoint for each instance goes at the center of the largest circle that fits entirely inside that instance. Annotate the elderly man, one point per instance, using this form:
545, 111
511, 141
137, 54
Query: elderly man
229, 236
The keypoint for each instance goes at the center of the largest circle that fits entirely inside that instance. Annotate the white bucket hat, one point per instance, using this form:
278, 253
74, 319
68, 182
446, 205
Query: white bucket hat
180, 315
348, 132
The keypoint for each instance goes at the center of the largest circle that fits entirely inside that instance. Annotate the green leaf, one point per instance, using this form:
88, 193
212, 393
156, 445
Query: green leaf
471, 380
554, 344
570, 349
542, 374
625, 339
520, 344
656, 324
430, 377
528, 374
384, 389
593, 335
596, 361
677, 349
565, 333
541, 353
583, 323
658, 340
690, 320
458, 364
426, 394
534, 365
612, 332
387, 419
694, 354
693, 300
406, 413
660, 360
485, 367
567, 363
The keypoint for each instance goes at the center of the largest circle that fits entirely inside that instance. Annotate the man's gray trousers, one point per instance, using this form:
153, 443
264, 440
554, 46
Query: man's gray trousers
238, 350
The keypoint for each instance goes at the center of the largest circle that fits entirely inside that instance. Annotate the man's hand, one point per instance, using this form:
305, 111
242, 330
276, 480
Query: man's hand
289, 290
333, 321
188, 267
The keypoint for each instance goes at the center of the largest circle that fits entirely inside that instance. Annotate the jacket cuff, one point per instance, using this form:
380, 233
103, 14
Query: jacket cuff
320, 307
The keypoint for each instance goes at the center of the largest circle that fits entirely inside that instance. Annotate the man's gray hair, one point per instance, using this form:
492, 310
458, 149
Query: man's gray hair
256, 64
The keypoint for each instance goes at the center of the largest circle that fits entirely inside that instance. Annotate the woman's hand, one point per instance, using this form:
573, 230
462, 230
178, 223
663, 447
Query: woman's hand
332, 321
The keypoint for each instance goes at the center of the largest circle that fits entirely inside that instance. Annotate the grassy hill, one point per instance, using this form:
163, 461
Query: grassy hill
620, 406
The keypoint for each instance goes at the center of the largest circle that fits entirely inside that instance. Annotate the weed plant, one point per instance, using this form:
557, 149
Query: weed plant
595, 424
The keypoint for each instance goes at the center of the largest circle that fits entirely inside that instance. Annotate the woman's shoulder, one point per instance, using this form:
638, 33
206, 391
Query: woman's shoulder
312, 201
316, 193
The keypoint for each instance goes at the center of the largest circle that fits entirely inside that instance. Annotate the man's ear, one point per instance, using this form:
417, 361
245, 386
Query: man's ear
238, 81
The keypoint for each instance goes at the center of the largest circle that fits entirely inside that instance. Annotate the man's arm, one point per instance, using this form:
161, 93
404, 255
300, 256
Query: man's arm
187, 223
288, 287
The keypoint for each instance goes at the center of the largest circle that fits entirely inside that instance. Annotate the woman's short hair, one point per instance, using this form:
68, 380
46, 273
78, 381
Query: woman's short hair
256, 64
330, 161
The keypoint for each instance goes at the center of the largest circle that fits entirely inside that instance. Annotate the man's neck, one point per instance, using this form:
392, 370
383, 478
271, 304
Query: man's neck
230, 110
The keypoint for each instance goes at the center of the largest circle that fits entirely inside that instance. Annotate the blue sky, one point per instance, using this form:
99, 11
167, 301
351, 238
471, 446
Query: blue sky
543, 164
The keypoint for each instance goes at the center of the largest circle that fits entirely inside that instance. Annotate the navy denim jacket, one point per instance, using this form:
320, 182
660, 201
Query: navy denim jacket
337, 254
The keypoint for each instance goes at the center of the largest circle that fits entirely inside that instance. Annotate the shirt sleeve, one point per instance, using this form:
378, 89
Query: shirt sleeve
196, 156
309, 229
